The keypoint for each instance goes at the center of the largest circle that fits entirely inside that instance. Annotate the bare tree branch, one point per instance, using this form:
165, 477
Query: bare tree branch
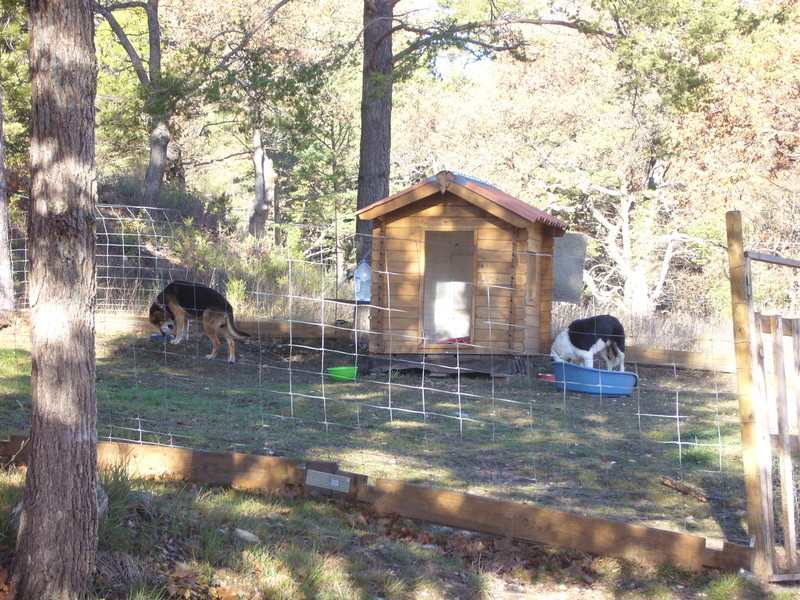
429, 34
136, 60
218, 160
153, 39
246, 39
121, 5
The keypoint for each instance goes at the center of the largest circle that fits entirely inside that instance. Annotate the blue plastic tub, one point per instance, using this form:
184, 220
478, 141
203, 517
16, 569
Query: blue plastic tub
598, 382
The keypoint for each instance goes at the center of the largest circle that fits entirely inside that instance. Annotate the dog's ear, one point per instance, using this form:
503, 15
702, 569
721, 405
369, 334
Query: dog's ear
156, 313
166, 313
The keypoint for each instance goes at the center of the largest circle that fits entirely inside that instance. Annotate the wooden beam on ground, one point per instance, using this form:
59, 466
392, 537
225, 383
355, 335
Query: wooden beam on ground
453, 509
704, 361
550, 526
240, 471
259, 330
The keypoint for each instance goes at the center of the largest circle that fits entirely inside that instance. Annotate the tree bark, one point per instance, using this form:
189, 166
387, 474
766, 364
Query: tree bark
57, 539
376, 115
154, 178
264, 182
6, 267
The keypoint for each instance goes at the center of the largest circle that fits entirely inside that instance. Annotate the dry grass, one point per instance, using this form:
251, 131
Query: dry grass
169, 540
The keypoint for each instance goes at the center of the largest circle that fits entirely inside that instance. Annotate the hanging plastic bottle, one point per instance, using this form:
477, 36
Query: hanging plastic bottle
363, 281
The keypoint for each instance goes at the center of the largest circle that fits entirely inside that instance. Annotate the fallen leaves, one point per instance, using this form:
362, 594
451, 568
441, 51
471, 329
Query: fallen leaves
504, 557
186, 582
8, 585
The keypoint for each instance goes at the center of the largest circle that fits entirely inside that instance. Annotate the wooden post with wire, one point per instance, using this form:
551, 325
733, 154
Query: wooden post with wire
755, 441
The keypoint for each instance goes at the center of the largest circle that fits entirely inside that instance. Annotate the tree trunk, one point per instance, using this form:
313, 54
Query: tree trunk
57, 538
153, 179
376, 115
276, 207
6, 267
264, 180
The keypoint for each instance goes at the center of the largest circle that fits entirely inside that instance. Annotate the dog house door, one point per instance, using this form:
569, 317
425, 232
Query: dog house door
447, 296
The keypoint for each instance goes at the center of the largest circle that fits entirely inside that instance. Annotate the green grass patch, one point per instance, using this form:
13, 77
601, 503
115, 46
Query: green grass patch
518, 439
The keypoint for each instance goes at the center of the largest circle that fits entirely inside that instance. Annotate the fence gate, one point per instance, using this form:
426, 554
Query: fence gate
768, 384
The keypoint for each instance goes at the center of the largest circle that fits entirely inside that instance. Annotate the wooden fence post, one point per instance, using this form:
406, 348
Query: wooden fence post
788, 491
757, 474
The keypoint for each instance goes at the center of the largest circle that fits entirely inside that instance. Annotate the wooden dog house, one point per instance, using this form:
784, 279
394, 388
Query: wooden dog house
460, 267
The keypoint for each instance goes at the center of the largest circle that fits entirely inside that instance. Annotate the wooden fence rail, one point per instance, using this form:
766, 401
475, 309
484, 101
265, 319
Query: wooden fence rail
454, 509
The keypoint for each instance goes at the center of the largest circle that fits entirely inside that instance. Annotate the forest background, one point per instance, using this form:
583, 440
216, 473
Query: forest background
639, 123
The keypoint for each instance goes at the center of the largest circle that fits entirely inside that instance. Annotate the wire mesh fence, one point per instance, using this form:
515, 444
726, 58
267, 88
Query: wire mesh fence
515, 437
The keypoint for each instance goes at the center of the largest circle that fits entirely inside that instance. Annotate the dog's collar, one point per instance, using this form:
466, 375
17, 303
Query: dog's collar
167, 311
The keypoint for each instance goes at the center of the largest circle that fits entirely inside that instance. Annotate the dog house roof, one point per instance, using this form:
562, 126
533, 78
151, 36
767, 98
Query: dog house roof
479, 193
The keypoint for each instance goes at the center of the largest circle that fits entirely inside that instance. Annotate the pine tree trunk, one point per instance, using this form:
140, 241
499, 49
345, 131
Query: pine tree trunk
154, 178
376, 115
6, 267
57, 538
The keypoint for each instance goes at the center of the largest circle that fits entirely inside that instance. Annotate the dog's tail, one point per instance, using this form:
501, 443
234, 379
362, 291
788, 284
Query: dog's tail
236, 333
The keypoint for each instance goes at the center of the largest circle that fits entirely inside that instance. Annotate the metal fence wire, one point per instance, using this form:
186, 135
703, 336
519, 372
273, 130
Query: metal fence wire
515, 437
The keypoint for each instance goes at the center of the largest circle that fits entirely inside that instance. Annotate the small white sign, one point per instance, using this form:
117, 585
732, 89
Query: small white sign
328, 481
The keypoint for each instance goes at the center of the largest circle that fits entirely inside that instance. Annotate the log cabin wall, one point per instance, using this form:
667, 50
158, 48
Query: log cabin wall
539, 297
510, 292
501, 303
496, 296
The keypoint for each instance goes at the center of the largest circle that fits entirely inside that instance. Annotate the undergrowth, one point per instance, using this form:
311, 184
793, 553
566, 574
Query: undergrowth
174, 539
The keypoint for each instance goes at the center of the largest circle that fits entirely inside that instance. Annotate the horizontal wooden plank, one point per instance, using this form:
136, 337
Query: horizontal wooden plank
452, 509
241, 471
399, 267
400, 321
502, 233
494, 255
401, 286
403, 247
496, 338
493, 295
772, 259
259, 330
494, 269
547, 526
398, 310
689, 360
399, 307
410, 227
399, 346
398, 301
497, 243
766, 325
456, 210
411, 249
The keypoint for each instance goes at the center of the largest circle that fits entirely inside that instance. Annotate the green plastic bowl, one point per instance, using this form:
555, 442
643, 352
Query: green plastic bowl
343, 373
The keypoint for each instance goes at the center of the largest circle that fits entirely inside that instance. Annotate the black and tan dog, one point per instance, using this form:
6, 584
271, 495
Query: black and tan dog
182, 301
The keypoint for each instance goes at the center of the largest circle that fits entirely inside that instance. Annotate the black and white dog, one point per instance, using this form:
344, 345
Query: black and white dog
602, 336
